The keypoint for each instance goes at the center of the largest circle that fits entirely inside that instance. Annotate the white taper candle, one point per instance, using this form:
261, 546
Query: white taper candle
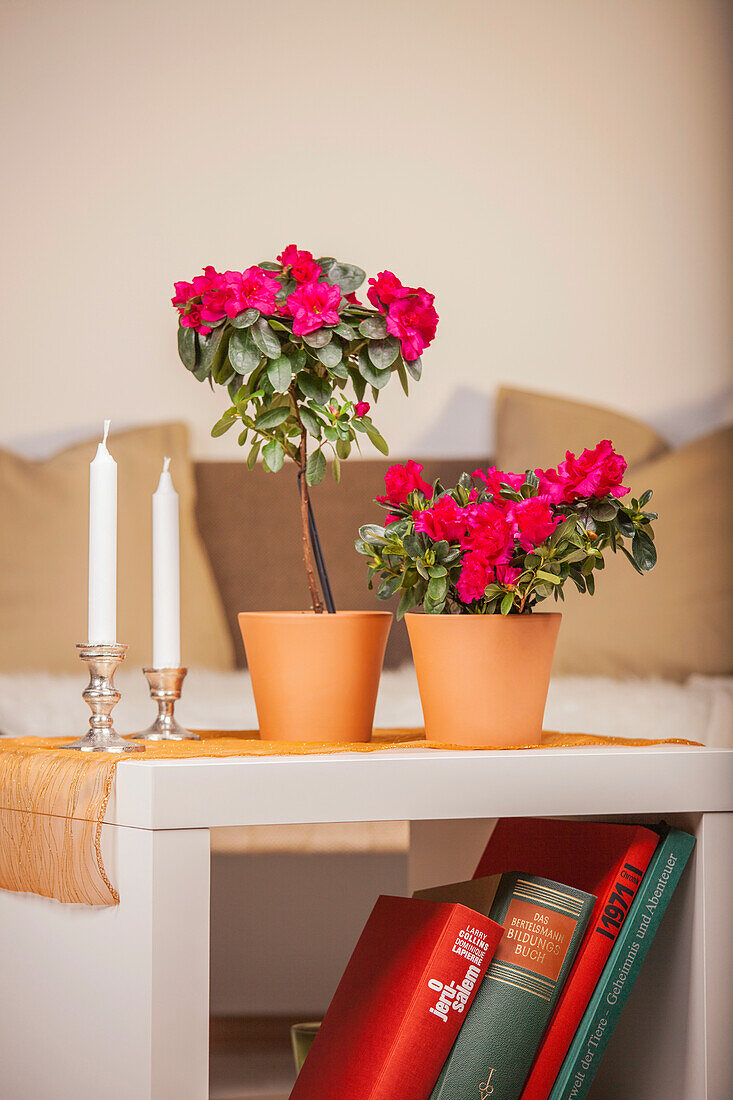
166, 574
102, 623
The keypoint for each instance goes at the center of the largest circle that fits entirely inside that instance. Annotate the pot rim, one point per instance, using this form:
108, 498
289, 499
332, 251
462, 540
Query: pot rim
300, 615
524, 617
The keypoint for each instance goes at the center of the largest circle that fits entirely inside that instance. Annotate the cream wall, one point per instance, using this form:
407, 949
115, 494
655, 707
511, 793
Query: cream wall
558, 172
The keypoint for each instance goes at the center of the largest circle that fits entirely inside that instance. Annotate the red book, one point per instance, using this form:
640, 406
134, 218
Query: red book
401, 1002
606, 860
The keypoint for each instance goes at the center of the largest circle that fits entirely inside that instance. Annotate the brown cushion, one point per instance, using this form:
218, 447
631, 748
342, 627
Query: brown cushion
250, 522
535, 430
678, 619
44, 556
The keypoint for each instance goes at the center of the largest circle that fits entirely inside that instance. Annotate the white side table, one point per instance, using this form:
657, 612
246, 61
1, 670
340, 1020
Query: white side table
114, 1002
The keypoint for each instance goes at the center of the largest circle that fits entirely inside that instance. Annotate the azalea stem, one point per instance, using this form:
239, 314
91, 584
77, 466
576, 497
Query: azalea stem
316, 602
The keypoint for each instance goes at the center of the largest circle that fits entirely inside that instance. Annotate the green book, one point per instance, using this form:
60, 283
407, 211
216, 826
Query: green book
620, 972
544, 923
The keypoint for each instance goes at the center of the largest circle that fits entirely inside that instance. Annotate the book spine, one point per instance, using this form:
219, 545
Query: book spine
544, 923
622, 968
606, 923
443, 997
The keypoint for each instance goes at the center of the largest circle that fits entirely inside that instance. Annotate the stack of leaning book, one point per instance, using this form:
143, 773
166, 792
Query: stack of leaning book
505, 987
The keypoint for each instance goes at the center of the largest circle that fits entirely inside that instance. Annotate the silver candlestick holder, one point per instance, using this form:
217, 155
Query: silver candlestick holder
102, 696
165, 689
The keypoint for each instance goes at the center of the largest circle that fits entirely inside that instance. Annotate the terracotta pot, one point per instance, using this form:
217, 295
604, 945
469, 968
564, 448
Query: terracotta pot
315, 677
483, 679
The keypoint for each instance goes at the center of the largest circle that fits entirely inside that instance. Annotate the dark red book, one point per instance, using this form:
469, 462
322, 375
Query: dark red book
400, 1003
606, 860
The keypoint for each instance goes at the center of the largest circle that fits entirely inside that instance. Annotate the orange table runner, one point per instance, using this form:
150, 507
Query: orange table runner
52, 803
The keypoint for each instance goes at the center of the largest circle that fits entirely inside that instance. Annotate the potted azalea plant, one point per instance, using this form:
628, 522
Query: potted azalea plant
296, 352
481, 560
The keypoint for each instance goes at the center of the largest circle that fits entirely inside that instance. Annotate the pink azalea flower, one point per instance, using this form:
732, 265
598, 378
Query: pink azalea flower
490, 531
361, 408
385, 289
192, 319
493, 478
250, 289
400, 481
476, 572
210, 280
507, 574
534, 521
444, 520
413, 320
184, 291
312, 306
303, 267
595, 473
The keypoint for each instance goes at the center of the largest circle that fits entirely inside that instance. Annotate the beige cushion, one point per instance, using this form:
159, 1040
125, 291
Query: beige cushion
535, 430
678, 619
44, 556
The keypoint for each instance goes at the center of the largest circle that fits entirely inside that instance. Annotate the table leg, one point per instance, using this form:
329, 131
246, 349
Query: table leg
111, 1001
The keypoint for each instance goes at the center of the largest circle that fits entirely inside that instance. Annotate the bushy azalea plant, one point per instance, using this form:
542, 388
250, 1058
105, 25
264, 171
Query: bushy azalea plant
501, 543
296, 350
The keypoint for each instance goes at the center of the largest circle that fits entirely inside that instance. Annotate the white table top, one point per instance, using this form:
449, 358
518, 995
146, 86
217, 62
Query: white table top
420, 784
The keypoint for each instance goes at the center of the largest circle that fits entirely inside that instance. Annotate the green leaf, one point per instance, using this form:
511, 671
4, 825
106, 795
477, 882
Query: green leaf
344, 330
315, 469
273, 456
376, 439
252, 456
402, 375
644, 551
645, 498
330, 354
625, 524
208, 347
269, 265
243, 437
375, 378
631, 559
343, 448
319, 338
548, 578
311, 423
384, 352
347, 276
604, 511
507, 603
437, 589
414, 368
375, 328
280, 373
388, 587
244, 355
246, 318
187, 347
272, 418
373, 534
314, 387
590, 584
223, 425
265, 339
336, 468
407, 601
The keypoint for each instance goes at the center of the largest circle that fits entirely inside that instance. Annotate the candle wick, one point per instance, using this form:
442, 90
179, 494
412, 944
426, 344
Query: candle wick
106, 431
166, 465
